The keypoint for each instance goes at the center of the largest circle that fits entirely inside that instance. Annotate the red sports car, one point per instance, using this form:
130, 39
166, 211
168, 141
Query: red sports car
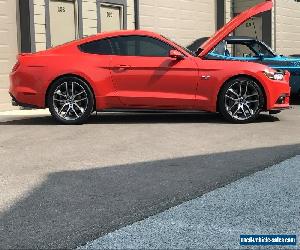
141, 70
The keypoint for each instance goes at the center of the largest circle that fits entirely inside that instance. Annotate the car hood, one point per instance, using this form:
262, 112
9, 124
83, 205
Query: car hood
232, 25
283, 62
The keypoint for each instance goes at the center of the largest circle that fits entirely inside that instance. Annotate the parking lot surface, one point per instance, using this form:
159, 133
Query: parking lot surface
267, 202
67, 185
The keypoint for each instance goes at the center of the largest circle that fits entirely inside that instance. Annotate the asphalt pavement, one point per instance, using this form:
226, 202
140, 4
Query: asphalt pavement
67, 185
266, 203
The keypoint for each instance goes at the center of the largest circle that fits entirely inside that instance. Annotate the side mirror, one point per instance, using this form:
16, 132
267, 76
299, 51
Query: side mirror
175, 54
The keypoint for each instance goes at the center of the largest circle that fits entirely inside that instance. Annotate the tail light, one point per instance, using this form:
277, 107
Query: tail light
16, 66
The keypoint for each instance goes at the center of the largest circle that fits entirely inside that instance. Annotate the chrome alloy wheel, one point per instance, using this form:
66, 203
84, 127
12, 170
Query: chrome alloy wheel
242, 100
70, 101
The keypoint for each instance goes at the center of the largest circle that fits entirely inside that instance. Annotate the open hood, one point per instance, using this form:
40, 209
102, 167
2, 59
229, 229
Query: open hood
232, 25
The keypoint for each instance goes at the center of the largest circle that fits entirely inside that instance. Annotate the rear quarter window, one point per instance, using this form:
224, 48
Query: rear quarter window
99, 47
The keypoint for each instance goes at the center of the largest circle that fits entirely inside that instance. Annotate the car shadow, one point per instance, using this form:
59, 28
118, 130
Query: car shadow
141, 118
70, 208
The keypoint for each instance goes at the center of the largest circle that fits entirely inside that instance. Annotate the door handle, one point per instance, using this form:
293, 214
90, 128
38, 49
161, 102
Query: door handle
205, 77
123, 67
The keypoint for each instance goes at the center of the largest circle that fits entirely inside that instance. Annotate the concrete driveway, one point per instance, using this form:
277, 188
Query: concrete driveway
63, 186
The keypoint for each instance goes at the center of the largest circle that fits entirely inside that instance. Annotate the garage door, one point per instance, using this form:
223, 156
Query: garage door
63, 21
8, 40
252, 27
241, 5
111, 17
183, 21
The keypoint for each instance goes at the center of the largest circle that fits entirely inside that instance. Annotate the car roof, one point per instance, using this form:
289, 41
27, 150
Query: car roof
102, 35
118, 33
74, 44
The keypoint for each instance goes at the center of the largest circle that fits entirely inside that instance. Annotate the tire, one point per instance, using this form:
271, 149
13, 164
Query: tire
70, 100
241, 100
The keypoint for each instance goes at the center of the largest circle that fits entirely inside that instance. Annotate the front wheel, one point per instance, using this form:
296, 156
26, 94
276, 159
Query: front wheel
70, 100
241, 100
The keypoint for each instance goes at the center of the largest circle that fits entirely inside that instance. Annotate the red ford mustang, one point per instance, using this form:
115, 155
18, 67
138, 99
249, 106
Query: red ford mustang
140, 70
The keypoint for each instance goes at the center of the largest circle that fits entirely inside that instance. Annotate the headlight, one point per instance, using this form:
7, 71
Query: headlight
274, 75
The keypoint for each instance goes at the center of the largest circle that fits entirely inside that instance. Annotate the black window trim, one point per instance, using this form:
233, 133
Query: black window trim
178, 48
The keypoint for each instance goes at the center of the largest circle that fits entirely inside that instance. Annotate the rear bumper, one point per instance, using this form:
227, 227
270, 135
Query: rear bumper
25, 90
15, 102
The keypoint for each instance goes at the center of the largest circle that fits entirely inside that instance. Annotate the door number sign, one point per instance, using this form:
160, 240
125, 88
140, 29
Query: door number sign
61, 9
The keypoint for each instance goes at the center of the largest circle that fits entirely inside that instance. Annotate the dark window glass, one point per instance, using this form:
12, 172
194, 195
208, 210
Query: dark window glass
262, 49
101, 47
140, 46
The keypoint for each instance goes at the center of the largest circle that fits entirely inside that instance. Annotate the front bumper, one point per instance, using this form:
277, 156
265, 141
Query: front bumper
278, 95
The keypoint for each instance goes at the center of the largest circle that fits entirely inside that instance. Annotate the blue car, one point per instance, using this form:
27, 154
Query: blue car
251, 49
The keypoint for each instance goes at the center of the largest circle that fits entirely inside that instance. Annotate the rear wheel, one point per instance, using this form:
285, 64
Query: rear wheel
70, 100
241, 100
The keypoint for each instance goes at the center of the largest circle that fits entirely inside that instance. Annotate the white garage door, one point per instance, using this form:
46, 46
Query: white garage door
63, 21
183, 21
111, 17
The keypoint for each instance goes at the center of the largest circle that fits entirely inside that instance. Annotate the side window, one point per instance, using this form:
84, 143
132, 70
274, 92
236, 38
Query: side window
100, 47
140, 46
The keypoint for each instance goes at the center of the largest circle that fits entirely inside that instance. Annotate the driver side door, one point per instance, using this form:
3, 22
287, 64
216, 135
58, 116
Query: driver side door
145, 76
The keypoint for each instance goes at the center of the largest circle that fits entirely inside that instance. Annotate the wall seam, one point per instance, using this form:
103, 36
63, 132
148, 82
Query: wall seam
32, 27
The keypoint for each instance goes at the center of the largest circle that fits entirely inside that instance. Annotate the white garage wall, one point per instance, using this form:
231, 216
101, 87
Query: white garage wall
8, 39
89, 16
183, 21
287, 30
130, 15
39, 24
228, 10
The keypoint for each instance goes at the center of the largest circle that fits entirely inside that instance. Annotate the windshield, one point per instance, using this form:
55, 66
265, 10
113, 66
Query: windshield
263, 49
243, 48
